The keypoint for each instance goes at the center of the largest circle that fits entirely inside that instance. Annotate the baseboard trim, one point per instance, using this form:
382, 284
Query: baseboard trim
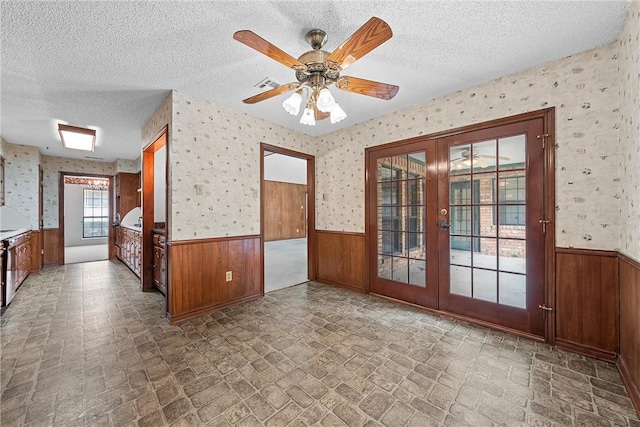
464, 319
585, 350
208, 309
340, 285
629, 384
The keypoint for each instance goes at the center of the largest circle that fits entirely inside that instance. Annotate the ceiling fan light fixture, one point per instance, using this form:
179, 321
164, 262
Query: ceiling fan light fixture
307, 117
325, 102
292, 104
337, 114
315, 69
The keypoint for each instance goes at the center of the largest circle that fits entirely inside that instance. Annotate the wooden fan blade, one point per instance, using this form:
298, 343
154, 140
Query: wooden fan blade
271, 93
371, 35
367, 87
256, 42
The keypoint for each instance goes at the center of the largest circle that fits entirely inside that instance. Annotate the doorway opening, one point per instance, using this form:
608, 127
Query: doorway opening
84, 215
462, 222
287, 217
155, 215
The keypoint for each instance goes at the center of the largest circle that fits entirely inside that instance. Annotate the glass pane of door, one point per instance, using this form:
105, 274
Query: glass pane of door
401, 234
484, 203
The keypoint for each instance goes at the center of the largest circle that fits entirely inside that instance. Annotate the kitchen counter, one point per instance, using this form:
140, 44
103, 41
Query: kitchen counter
131, 227
12, 233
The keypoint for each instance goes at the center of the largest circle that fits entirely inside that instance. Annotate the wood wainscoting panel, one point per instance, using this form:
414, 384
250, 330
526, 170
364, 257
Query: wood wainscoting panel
50, 246
36, 251
587, 302
341, 259
629, 360
285, 214
197, 274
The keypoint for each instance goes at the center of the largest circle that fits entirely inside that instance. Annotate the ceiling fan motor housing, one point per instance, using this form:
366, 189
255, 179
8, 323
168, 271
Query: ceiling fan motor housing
317, 74
314, 61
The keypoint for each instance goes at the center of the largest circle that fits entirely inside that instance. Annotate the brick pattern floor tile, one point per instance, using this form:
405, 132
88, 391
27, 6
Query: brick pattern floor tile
82, 346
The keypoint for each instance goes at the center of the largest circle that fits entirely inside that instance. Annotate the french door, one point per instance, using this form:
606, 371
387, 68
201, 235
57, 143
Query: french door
456, 224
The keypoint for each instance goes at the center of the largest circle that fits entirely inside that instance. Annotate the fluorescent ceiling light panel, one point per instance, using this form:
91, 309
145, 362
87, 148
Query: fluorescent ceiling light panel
77, 138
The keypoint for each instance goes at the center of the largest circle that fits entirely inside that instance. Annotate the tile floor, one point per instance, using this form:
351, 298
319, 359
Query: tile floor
82, 346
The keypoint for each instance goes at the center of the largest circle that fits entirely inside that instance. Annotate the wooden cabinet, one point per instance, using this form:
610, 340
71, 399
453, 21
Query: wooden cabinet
127, 194
2, 276
129, 248
16, 265
160, 263
23, 258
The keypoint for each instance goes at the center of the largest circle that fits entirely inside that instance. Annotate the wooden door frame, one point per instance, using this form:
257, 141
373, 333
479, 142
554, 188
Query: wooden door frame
533, 323
312, 261
548, 138
110, 236
161, 139
423, 296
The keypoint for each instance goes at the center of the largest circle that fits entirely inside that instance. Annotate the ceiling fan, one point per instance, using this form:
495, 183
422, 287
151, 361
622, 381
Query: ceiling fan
466, 160
316, 69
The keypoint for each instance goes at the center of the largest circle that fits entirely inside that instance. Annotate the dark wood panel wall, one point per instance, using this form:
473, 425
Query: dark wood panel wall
197, 274
285, 210
629, 358
50, 245
341, 259
36, 251
587, 301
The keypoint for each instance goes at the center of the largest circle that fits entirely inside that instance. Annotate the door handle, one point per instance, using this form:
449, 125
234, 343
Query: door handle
444, 224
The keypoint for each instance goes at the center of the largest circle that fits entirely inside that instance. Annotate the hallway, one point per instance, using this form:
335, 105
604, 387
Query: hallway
82, 346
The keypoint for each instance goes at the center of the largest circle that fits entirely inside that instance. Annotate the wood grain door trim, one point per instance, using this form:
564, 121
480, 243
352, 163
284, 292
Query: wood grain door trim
312, 260
530, 319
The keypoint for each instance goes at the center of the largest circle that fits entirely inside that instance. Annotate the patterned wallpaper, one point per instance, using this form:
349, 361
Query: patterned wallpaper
126, 165
219, 149
161, 117
583, 88
629, 75
21, 164
50, 168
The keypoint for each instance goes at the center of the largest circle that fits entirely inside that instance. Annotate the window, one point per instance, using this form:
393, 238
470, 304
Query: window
511, 199
96, 213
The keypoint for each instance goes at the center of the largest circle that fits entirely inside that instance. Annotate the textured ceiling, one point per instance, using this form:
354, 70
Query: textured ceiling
109, 64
